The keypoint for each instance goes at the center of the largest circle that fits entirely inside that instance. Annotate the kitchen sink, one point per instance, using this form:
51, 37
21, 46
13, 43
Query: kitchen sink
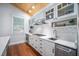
39, 34
52, 38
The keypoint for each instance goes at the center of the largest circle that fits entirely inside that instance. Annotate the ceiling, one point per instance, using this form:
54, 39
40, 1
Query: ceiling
30, 8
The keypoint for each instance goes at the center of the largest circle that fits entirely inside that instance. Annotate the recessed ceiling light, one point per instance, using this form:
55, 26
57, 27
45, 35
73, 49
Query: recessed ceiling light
30, 11
33, 7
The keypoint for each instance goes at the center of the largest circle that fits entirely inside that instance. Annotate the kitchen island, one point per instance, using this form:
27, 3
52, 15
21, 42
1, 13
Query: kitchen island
4, 41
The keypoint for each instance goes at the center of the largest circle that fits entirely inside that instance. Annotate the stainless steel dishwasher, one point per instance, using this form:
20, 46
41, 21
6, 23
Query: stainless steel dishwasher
61, 50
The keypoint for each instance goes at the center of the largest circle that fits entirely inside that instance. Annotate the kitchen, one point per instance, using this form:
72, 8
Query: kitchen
53, 31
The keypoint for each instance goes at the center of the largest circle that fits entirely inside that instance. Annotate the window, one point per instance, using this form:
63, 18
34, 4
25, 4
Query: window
18, 24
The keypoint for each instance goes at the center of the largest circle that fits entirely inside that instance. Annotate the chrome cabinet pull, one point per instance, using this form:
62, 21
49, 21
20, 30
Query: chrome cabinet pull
35, 40
40, 43
41, 51
40, 40
40, 47
35, 47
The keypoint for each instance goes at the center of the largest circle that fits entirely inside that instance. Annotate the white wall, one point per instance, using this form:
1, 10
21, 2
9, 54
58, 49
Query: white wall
7, 11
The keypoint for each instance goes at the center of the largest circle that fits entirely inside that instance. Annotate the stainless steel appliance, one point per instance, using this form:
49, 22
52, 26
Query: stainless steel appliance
61, 50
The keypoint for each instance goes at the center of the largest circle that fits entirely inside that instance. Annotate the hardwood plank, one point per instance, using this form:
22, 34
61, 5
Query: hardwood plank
22, 50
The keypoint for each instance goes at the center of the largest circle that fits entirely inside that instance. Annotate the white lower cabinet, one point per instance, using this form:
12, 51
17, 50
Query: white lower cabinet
36, 43
31, 41
44, 47
48, 47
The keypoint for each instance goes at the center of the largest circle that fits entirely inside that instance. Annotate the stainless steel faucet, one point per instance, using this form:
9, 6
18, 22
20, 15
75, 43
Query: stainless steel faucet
55, 33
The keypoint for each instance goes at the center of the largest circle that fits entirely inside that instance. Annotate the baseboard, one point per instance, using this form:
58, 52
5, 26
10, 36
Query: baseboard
14, 43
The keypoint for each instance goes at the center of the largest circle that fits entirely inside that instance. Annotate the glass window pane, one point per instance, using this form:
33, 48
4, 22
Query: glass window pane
18, 24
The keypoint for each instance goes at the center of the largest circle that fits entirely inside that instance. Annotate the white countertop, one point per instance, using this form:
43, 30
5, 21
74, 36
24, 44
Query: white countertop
62, 42
66, 43
3, 43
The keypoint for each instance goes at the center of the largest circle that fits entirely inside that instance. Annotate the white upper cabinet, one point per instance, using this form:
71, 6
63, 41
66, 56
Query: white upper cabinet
50, 11
50, 14
61, 12
56, 11
66, 9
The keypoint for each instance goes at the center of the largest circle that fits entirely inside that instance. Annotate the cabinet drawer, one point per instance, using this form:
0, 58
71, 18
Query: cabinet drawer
48, 43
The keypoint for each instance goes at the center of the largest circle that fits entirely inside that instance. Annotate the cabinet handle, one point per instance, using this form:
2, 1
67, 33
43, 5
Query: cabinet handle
40, 47
40, 43
35, 47
41, 51
40, 40
32, 44
35, 40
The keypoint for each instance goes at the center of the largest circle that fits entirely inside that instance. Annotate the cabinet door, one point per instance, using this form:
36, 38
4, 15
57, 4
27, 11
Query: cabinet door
65, 8
44, 47
41, 48
36, 43
31, 41
52, 48
48, 48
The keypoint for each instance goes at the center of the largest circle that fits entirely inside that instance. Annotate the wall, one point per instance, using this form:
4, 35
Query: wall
7, 11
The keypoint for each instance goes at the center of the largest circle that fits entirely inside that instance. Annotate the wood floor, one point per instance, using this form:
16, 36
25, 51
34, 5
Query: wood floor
22, 50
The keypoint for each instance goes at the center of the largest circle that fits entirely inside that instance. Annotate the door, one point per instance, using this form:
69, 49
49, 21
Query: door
18, 30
